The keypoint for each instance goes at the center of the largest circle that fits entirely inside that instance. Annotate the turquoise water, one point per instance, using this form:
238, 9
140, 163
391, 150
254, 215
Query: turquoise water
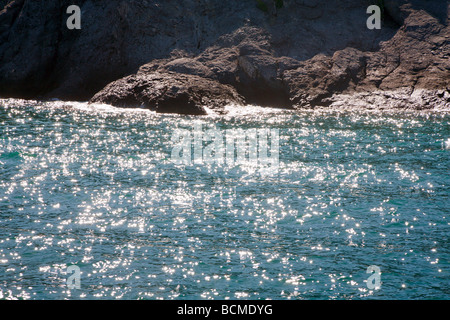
95, 187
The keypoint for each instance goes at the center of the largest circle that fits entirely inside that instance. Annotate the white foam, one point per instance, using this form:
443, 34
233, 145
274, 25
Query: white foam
209, 112
96, 107
239, 110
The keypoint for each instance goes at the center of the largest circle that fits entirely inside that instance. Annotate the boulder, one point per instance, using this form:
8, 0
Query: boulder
168, 92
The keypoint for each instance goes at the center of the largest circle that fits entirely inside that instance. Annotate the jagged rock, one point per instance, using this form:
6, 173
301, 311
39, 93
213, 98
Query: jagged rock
117, 37
301, 57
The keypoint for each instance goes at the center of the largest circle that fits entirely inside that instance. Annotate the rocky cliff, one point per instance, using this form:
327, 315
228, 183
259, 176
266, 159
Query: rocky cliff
180, 56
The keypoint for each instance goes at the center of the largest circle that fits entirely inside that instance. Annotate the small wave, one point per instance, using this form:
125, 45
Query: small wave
238, 110
55, 103
98, 107
209, 111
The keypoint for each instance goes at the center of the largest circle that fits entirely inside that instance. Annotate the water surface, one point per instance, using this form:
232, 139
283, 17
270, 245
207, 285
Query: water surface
95, 187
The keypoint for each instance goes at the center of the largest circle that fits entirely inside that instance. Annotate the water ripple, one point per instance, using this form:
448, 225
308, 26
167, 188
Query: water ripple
94, 186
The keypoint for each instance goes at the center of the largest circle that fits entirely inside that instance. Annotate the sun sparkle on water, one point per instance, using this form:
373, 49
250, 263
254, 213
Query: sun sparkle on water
94, 186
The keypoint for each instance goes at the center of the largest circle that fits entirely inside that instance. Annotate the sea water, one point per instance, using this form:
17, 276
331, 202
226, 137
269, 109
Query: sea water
93, 188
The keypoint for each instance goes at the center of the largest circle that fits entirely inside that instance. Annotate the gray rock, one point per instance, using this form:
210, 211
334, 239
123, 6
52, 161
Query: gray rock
398, 99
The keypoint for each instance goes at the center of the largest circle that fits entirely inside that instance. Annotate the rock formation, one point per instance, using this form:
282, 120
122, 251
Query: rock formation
182, 56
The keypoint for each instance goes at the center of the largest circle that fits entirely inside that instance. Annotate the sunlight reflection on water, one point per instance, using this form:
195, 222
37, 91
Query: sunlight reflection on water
94, 186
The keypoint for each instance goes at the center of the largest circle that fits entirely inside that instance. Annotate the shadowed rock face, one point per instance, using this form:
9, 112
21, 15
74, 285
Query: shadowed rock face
180, 56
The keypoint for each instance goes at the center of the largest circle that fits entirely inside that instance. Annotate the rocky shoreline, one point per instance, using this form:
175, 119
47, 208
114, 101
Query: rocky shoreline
307, 54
